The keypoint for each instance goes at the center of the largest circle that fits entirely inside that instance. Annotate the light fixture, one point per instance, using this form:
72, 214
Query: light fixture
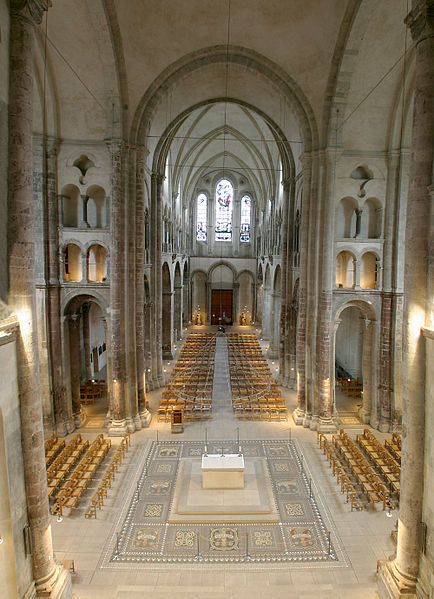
1, 540
59, 519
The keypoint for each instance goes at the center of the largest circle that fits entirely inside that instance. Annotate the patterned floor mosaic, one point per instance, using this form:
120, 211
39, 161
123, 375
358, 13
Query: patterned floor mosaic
301, 534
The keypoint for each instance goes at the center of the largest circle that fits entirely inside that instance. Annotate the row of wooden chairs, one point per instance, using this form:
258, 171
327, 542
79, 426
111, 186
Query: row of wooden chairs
64, 462
190, 384
394, 446
255, 395
53, 446
368, 479
344, 481
97, 499
350, 386
76, 484
91, 392
383, 461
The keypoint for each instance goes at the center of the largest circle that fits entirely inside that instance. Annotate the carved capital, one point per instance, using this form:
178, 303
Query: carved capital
31, 10
421, 20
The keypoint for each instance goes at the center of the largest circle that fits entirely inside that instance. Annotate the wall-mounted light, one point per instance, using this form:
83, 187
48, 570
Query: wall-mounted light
1, 540
59, 519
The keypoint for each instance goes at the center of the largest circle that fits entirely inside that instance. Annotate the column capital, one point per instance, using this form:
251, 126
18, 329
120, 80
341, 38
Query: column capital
420, 20
30, 10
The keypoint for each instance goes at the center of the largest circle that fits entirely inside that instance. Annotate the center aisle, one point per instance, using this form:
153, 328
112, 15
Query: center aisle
221, 391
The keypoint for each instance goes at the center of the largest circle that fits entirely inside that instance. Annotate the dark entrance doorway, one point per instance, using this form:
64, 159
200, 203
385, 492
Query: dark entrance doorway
221, 306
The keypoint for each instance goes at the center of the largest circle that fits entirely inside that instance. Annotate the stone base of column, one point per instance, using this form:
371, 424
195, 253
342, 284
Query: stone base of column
57, 586
118, 428
298, 416
326, 425
145, 418
364, 415
307, 420
131, 425
384, 425
394, 585
65, 427
313, 422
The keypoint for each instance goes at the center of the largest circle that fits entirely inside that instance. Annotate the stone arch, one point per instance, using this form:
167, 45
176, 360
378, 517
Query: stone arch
186, 310
345, 270
276, 302
95, 207
72, 263
245, 283
369, 270
250, 62
177, 306
96, 263
87, 353
259, 294
199, 284
371, 219
70, 195
355, 339
346, 217
167, 312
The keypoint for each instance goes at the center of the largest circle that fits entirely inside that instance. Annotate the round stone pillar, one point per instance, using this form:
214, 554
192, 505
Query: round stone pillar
86, 341
399, 577
299, 413
143, 414
116, 385
51, 579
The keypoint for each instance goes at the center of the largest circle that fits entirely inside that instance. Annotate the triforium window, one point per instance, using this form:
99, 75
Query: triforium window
223, 210
201, 217
246, 205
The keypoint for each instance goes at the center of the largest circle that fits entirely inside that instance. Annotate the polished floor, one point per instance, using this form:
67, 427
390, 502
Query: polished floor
360, 538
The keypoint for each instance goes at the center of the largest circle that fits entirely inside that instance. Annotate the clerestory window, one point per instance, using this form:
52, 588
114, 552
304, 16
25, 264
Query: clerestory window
201, 217
246, 207
223, 210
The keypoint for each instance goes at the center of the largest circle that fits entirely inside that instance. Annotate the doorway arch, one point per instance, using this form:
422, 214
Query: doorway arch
166, 313
354, 354
86, 356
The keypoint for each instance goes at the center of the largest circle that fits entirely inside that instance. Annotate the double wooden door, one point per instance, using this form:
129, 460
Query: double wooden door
221, 306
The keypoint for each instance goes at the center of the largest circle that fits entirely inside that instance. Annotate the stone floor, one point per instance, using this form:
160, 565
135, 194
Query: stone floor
362, 537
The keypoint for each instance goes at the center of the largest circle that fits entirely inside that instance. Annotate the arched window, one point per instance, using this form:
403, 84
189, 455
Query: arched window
72, 263
246, 209
201, 217
223, 210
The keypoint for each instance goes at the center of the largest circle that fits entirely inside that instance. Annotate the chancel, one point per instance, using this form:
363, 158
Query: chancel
216, 299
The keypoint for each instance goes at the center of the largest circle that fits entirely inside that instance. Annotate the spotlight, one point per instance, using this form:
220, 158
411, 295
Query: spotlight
1, 540
59, 519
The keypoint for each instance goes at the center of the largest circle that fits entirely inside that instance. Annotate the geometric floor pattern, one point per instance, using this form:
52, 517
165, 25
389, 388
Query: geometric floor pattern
299, 535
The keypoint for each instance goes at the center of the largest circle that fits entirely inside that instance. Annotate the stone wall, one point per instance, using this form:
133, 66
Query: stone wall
15, 569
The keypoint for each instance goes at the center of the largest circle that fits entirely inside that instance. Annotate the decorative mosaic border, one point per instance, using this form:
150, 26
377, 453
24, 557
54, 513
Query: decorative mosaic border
143, 536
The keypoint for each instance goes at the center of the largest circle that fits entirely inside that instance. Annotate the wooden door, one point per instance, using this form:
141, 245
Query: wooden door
221, 306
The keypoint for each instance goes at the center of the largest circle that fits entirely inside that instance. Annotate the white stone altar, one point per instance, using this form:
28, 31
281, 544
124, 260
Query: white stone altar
223, 471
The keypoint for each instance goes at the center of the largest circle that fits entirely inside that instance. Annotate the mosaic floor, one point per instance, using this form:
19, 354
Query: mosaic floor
148, 532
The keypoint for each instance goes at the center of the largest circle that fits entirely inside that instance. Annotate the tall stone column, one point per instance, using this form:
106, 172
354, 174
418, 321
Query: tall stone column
286, 292
325, 355
156, 290
300, 411
50, 578
143, 414
399, 577
116, 386
54, 325
86, 341
74, 322
385, 382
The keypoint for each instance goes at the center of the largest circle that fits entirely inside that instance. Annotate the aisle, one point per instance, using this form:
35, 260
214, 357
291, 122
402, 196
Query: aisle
221, 391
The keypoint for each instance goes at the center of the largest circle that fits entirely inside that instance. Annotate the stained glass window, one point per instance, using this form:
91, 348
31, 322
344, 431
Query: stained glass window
201, 217
246, 206
223, 210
